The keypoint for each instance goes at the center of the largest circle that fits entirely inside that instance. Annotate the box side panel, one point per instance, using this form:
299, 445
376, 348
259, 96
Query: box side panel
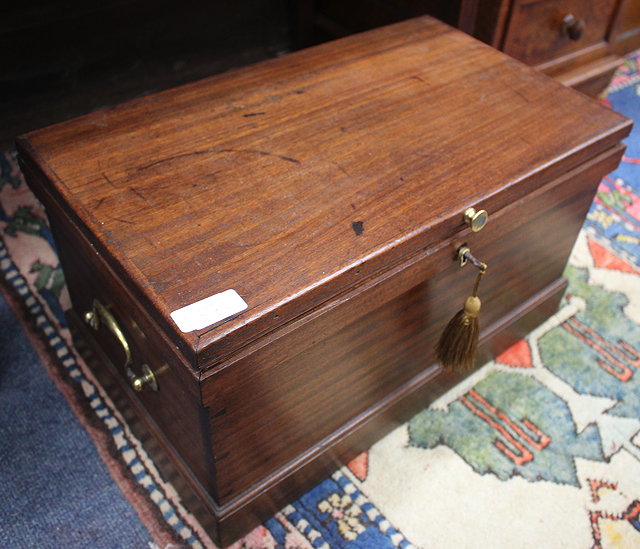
175, 406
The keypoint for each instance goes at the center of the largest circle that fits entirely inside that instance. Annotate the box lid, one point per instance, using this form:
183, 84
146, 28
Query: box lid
292, 180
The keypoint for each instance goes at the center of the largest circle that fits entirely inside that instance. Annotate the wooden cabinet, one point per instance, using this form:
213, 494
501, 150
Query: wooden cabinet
543, 31
579, 42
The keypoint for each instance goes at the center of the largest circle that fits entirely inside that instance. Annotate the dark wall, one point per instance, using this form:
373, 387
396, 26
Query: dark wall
63, 58
340, 17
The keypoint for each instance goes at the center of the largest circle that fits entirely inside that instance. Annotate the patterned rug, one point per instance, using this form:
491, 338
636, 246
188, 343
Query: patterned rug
539, 448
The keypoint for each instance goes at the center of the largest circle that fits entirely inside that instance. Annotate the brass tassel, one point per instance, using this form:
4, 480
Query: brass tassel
456, 349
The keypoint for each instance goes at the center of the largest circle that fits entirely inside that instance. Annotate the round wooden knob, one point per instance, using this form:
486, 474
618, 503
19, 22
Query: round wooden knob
476, 219
572, 27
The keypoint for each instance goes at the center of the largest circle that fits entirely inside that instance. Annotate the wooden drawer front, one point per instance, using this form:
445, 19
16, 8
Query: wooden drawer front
628, 17
626, 33
300, 386
535, 32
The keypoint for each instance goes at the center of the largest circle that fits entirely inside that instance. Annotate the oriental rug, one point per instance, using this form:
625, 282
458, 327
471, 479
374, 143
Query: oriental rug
539, 448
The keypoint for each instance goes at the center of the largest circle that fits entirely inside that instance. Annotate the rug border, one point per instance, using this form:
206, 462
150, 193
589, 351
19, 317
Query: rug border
159, 531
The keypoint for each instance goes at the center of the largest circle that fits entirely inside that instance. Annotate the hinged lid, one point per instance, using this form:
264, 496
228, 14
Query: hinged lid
290, 181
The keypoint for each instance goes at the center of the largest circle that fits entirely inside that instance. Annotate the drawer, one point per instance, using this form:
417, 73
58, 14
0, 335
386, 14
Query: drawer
541, 30
299, 388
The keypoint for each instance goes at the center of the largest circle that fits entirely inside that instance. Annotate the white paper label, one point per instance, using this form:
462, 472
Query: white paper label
208, 311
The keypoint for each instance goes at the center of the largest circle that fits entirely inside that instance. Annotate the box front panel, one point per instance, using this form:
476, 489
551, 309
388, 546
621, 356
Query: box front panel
301, 386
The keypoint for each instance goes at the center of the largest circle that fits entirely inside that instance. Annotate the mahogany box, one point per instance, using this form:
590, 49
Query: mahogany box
264, 260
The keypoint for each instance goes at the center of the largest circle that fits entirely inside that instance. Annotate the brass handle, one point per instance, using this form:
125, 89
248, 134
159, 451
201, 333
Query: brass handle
101, 315
572, 27
476, 219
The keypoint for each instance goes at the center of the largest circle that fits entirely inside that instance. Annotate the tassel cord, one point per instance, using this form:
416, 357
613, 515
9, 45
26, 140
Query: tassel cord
478, 279
482, 268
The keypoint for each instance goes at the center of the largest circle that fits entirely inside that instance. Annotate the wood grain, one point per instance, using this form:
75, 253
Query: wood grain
263, 171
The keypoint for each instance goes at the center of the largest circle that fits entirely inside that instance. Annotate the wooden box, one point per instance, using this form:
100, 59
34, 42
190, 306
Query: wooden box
278, 244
